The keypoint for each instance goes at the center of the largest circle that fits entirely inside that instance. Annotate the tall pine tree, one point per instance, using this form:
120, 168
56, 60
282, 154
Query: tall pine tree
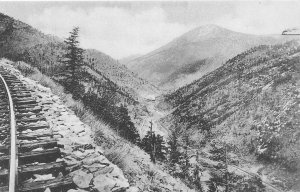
126, 127
196, 177
73, 60
160, 147
154, 145
185, 164
174, 151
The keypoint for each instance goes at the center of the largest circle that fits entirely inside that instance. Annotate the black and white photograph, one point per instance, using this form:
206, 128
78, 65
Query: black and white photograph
150, 96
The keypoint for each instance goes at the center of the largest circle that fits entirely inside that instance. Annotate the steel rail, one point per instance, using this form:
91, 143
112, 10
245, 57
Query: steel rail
13, 167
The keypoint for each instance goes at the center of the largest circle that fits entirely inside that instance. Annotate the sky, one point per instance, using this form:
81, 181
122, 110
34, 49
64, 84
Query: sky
122, 29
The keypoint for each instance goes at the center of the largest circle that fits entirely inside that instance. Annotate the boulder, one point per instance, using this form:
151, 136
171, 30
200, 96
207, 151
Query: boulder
103, 183
104, 170
117, 172
132, 189
82, 179
91, 159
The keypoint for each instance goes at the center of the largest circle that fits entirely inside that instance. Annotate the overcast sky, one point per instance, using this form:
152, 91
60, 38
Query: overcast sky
126, 28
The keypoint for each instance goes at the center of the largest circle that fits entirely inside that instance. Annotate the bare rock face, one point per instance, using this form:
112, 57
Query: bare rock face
82, 179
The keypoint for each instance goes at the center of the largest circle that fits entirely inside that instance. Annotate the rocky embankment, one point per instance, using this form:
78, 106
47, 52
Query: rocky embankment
89, 168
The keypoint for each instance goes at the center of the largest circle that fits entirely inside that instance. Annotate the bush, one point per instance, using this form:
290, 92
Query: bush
117, 155
25, 68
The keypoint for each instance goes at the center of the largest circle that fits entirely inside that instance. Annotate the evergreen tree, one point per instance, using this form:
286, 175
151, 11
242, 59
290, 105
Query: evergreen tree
160, 147
253, 184
150, 141
196, 178
185, 160
219, 153
127, 128
146, 143
220, 176
212, 187
229, 180
174, 152
73, 60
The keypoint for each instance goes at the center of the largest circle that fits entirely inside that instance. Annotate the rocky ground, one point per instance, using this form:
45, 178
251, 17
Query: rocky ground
90, 169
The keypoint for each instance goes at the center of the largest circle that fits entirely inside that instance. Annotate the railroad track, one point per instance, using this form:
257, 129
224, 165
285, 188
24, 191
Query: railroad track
30, 158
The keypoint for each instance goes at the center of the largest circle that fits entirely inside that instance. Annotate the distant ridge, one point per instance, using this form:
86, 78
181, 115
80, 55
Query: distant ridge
212, 43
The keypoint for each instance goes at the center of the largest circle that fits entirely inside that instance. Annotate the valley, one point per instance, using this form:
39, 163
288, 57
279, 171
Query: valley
248, 99
220, 109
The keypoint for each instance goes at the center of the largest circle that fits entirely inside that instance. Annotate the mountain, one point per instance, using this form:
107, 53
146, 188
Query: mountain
125, 60
16, 36
173, 64
119, 73
251, 103
19, 41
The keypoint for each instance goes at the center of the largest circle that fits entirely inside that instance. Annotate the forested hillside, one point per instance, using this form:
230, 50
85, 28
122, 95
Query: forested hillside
19, 41
251, 105
118, 73
107, 87
103, 77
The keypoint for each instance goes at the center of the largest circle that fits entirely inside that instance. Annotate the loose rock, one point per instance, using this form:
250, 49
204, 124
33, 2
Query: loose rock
82, 179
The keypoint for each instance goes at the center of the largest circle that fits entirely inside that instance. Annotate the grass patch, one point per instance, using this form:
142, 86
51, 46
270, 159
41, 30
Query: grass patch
117, 156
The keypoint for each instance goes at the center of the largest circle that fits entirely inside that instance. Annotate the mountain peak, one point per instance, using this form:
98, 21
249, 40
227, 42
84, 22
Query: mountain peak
208, 30
210, 27
205, 32
181, 58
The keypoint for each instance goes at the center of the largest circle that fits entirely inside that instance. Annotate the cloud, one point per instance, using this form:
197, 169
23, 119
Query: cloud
115, 31
262, 18
123, 29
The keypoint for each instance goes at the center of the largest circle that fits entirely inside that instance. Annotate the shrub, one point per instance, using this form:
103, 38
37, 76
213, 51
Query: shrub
25, 68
